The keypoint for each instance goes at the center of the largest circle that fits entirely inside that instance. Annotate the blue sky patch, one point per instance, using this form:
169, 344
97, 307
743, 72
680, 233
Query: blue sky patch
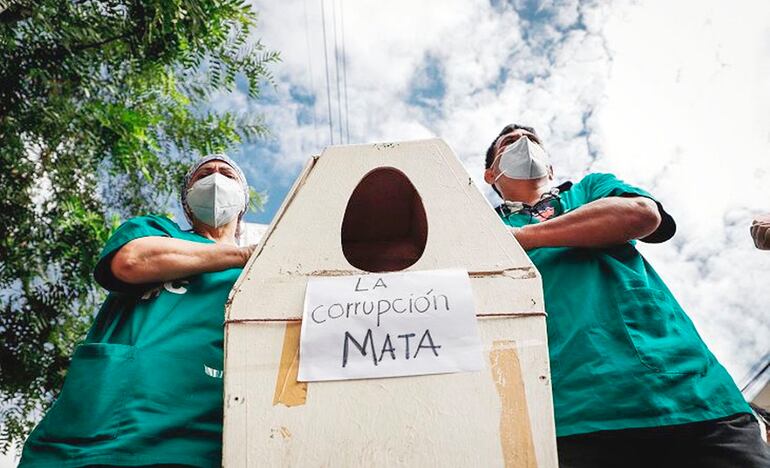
428, 86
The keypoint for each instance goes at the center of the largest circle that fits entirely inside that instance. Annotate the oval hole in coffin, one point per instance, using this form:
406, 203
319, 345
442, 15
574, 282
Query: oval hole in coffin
385, 227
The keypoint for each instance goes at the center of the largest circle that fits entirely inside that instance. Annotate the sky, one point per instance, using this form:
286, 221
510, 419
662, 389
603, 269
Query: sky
670, 96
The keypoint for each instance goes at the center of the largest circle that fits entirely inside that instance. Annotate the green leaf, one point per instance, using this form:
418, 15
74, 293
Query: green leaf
102, 105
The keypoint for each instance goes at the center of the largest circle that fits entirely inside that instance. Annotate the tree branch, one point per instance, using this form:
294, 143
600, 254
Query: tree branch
81, 47
14, 13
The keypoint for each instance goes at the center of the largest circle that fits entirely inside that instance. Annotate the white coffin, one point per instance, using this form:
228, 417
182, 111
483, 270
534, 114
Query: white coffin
500, 416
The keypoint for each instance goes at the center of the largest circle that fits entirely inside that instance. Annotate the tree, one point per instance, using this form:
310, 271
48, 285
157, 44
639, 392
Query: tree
102, 103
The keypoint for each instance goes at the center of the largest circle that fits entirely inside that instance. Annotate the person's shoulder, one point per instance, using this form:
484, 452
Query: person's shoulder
154, 221
158, 218
596, 177
601, 182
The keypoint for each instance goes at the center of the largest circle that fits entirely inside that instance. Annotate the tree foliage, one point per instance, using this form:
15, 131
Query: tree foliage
101, 105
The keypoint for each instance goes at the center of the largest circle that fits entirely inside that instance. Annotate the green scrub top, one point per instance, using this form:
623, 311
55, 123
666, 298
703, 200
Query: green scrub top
623, 352
145, 387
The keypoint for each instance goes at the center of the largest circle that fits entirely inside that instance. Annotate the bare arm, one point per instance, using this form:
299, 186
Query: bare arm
609, 221
158, 259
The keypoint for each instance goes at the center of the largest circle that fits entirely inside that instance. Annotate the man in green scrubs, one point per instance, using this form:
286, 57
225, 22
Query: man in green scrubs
633, 383
145, 387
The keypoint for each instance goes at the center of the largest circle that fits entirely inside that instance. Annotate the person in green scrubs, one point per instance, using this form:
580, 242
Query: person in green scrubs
633, 383
145, 386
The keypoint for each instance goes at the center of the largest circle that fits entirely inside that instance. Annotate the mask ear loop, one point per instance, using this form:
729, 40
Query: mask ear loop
493, 165
245, 187
238, 229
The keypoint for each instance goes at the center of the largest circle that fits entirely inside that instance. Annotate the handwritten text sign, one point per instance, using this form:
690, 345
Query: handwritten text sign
388, 325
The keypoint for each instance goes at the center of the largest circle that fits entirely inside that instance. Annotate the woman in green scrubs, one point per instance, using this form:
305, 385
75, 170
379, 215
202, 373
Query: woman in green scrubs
145, 387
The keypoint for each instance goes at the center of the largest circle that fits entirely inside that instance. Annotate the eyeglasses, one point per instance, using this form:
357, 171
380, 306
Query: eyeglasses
539, 209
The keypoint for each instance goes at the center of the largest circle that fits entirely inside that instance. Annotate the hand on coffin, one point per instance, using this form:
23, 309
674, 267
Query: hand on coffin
760, 231
521, 238
247, 251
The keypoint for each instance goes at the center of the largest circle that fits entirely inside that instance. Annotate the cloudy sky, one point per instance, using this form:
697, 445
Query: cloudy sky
671, 96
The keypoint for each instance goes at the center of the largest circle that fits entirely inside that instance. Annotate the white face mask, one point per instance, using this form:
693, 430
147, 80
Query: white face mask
216, 200
523, 159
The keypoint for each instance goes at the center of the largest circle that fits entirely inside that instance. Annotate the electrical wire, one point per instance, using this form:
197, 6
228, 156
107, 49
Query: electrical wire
326, 61
310, 73
345, 70
337, 67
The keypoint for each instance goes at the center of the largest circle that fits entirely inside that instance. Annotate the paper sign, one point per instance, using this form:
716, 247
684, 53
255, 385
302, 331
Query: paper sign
388, 325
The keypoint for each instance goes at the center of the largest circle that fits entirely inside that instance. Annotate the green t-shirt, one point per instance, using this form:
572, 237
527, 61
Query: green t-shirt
145, 387
623, 352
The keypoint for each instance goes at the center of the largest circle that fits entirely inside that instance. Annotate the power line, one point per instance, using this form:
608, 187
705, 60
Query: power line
345, 70
337, 67
326, 60
310, 72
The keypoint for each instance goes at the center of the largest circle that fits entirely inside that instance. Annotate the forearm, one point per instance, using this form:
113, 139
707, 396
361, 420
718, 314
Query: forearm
158, 259
609, 221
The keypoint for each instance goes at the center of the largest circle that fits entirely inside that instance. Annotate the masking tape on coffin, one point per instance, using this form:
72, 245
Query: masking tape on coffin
288, 391
515, 427
505, 344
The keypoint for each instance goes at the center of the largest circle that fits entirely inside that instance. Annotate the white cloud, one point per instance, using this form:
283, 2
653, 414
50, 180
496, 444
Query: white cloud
685, 115
670, 96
